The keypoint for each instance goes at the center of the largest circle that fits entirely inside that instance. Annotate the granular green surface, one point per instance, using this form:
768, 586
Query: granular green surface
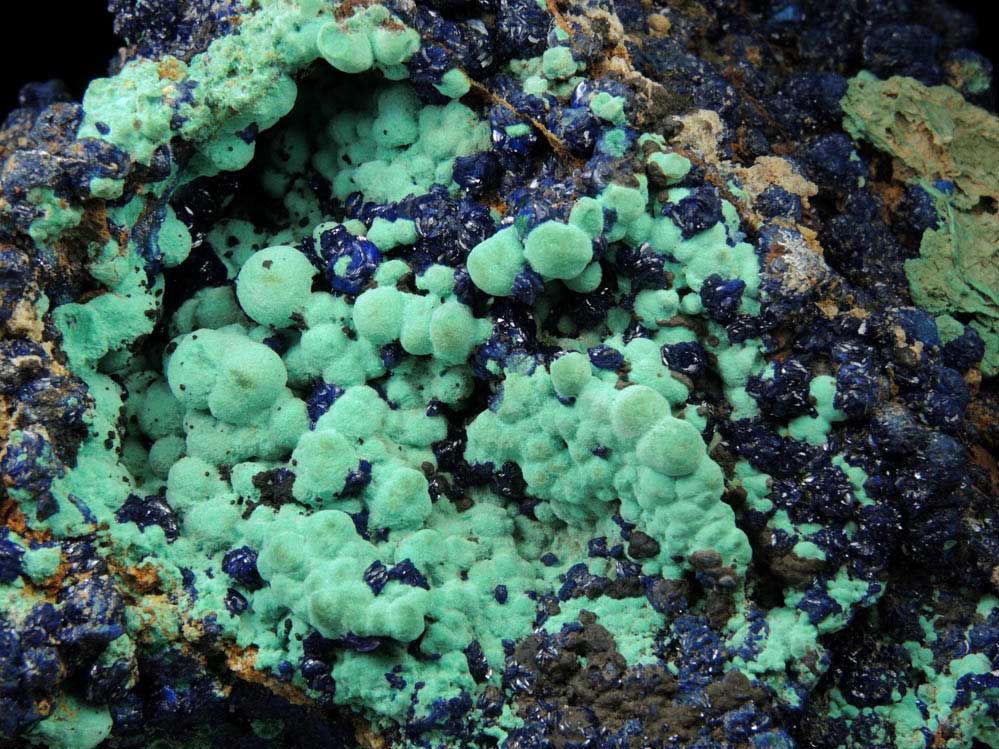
949, 146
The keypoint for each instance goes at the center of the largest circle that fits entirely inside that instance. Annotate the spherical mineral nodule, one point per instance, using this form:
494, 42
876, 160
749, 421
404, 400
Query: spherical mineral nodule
557, 250
672, 446
273, 284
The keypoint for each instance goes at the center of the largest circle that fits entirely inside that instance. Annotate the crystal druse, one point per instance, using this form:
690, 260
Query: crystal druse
494, 373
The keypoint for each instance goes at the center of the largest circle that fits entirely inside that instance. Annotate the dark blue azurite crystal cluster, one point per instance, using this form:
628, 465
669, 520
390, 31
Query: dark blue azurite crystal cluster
917, 534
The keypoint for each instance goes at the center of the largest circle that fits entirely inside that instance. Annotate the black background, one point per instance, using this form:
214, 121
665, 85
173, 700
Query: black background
73, 40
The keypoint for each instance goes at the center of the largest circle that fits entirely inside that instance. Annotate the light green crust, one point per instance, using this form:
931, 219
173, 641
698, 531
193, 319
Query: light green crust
935, 135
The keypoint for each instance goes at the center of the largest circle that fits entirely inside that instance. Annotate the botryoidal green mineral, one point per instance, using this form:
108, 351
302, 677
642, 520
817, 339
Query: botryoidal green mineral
400, 473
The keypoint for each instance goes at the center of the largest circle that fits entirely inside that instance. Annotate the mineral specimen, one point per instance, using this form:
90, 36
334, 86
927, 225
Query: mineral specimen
504, 374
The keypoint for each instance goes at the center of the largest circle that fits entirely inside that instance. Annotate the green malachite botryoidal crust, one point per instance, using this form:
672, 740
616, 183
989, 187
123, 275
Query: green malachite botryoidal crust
504, 374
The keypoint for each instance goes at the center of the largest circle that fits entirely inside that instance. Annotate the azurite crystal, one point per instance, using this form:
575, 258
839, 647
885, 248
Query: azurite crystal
519, 375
